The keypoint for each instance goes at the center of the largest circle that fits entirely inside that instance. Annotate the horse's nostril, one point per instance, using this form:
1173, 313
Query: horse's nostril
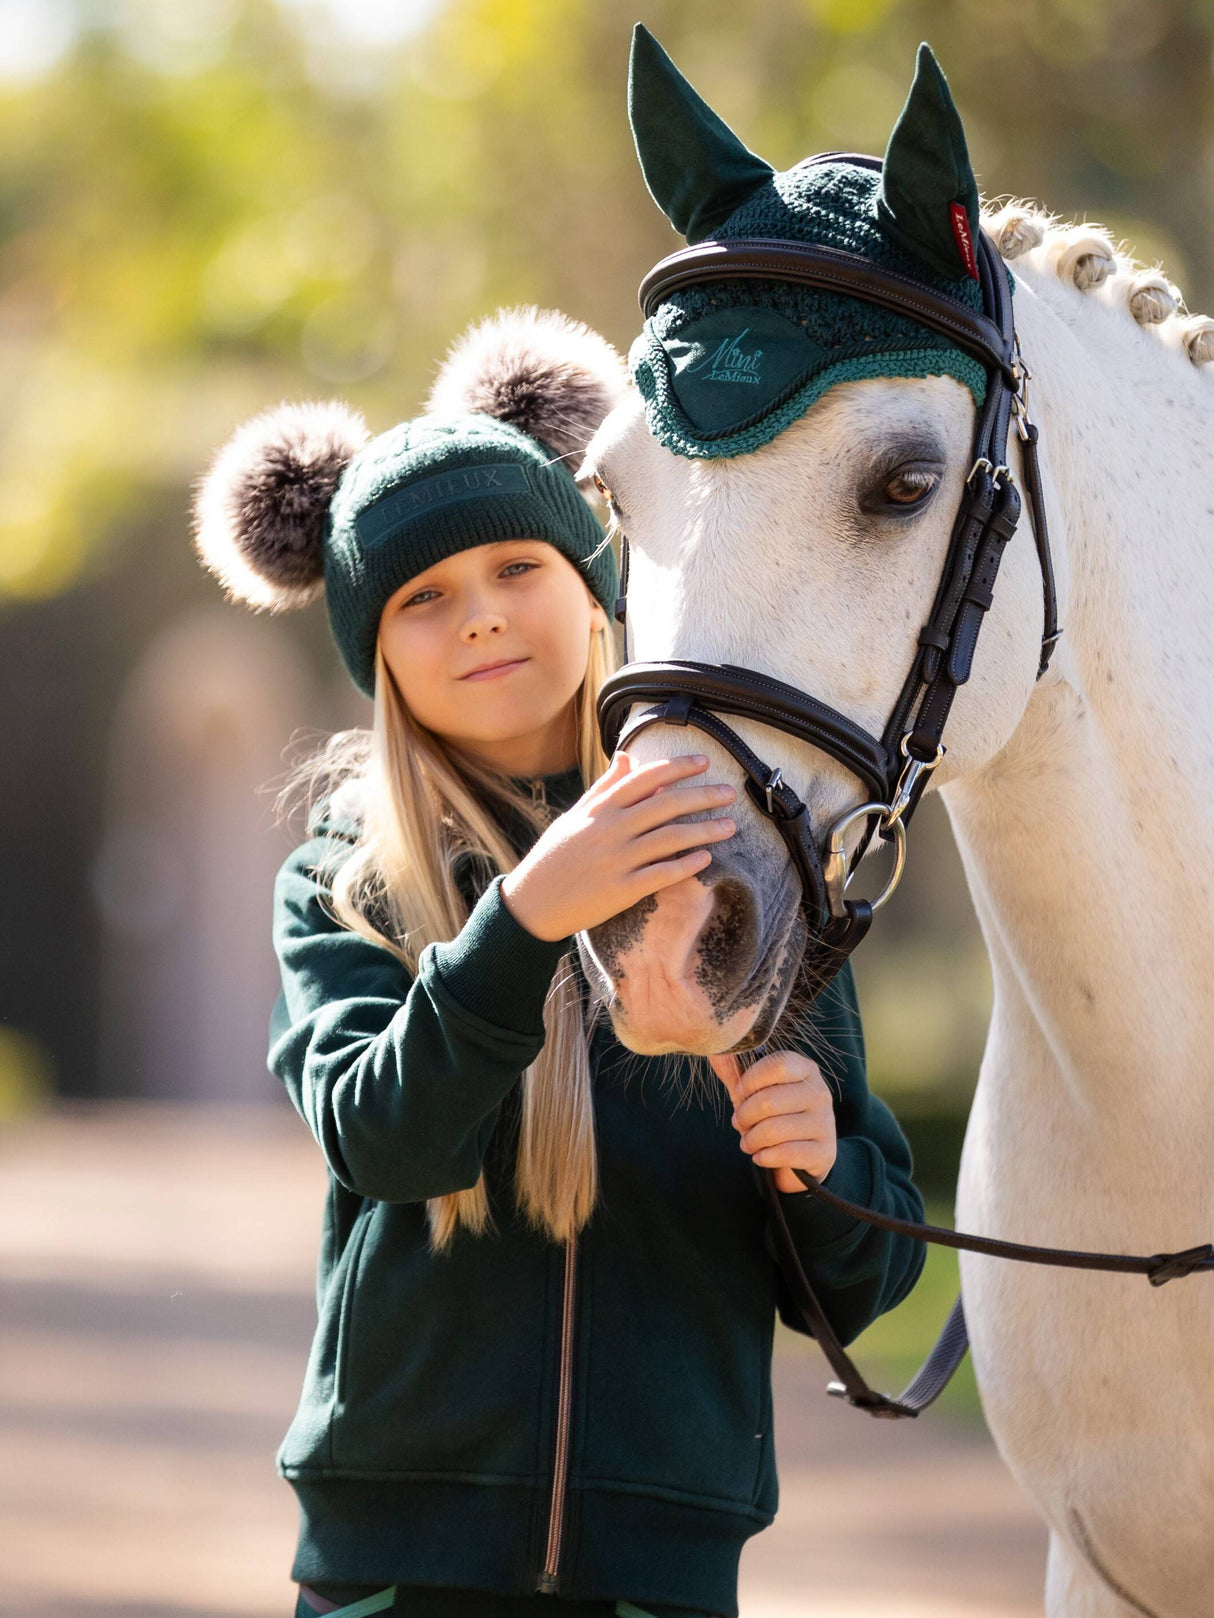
729, 941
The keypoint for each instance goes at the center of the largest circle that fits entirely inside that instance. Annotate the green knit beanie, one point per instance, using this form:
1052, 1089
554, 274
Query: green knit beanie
724, 366
300, 503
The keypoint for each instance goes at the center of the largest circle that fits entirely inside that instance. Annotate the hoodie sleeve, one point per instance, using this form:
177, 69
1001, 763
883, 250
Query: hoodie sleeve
401, 1079
856, 1271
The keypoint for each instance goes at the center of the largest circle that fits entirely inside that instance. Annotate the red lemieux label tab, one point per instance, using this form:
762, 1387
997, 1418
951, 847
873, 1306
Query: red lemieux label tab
961, 235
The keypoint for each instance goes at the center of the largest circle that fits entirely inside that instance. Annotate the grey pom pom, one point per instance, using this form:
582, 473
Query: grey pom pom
260, 508
550, 376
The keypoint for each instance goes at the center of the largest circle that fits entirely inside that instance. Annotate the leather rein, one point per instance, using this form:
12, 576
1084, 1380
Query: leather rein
896, 767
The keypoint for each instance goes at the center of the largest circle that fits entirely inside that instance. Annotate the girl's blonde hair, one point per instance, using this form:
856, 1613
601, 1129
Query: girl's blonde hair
422, 812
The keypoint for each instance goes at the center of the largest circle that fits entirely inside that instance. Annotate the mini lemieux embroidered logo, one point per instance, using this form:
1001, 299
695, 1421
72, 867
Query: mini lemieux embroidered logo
729, 362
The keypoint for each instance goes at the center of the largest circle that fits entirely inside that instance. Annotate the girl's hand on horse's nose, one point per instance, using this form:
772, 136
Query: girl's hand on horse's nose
784, 1113
624, 839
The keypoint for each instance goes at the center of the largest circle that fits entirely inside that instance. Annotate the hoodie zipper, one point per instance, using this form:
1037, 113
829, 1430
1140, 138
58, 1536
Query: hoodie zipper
564, 1400
548, 1580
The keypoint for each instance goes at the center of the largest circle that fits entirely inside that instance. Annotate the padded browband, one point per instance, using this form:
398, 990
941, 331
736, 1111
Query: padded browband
760, 258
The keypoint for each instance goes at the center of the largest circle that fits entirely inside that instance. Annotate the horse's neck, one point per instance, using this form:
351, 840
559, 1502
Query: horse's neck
1087, 841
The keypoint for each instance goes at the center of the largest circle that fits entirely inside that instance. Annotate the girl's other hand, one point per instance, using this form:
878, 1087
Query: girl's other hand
617, 844
784, 1113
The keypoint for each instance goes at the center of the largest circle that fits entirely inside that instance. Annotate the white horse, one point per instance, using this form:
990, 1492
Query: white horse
1082, 806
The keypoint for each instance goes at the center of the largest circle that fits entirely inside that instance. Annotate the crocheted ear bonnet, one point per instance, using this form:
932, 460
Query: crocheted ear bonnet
302, 502
725, 365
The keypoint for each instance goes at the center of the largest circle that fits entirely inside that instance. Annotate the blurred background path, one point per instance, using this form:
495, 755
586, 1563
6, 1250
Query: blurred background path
156, 1307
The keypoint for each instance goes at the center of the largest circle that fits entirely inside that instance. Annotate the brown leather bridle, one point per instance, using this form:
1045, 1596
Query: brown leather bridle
894, 768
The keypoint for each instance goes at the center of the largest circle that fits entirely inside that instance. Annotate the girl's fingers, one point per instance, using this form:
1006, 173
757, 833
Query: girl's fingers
652, 878
788, 1126
781, 1067
666, 840
664, 806
802, 1139
815, 1157
647, 778
803, 1097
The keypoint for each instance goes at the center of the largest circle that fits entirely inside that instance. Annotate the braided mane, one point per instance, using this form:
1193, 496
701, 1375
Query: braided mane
1086, 257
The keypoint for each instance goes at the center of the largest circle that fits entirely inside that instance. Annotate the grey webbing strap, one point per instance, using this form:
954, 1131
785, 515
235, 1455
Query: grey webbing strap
934, 1375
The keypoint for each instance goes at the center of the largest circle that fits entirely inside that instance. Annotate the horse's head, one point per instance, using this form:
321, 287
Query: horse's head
788, 479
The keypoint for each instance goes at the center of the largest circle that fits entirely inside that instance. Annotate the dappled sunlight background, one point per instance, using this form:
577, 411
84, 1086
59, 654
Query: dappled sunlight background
208, 207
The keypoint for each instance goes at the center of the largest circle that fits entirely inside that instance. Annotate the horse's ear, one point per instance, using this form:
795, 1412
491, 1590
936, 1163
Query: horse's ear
696, 168
929, 197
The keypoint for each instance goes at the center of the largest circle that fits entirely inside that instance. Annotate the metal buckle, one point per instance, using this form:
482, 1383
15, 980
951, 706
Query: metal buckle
1020, 399
1019, 366
912, 770
1020, 370
774, 780
996, 471
1021, 415
834, 866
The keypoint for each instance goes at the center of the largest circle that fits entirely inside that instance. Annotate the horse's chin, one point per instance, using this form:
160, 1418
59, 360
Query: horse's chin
747, 1028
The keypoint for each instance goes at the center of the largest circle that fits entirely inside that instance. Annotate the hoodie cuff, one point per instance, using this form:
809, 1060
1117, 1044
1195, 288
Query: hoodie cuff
496, 969
851, 1176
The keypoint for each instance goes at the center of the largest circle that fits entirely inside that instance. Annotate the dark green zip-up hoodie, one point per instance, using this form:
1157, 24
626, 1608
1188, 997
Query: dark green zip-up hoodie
592, 1418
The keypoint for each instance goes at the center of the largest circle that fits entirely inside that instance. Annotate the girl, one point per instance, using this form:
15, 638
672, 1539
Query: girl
540, 1381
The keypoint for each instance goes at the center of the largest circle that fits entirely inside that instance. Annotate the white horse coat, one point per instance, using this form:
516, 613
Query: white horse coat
1084, 811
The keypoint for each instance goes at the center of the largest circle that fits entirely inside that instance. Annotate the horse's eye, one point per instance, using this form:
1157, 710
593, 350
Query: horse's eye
909, 485
618, 514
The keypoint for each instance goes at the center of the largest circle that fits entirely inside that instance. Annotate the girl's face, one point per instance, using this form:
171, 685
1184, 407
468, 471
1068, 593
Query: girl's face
488, 649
